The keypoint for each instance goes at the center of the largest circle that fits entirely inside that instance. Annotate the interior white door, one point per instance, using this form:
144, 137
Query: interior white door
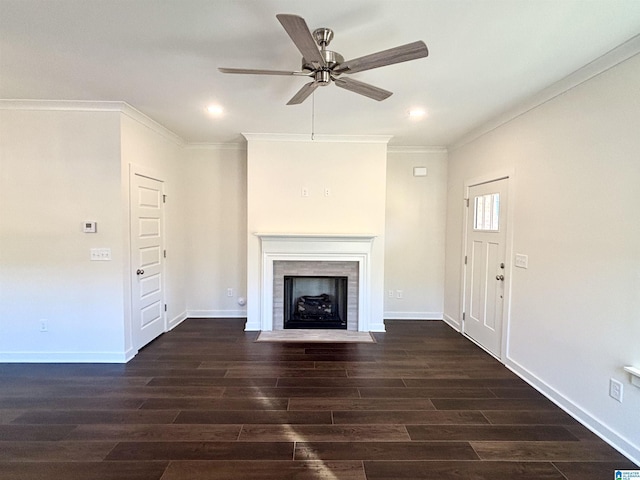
486, 264
147, 285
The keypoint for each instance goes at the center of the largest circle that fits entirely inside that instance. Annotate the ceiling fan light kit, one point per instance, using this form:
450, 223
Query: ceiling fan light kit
325, 66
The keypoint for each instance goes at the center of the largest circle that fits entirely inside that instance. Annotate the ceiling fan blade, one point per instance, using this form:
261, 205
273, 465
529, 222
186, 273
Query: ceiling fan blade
255, 71
299, 32
303, 93
403, 53
363, 88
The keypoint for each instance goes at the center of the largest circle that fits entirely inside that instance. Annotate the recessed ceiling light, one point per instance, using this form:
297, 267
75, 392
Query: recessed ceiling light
216, 110
417, 113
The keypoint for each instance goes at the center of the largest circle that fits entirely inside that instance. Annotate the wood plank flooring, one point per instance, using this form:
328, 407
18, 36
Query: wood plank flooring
205, 401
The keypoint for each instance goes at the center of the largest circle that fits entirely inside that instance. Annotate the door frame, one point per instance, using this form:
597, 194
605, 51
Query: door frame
131, 348
509, 175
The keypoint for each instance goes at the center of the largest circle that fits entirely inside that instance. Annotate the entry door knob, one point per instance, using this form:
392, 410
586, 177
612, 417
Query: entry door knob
139, 272
499, 277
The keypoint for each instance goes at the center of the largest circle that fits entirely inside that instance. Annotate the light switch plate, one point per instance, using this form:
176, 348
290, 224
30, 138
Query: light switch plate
522, 261
100, 254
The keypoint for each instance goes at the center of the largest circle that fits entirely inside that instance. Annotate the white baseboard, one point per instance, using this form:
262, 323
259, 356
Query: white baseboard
252, 327
453, 323
413, 315
129, 354
216, 313
377, 327
618, 442
177, 320
67, 357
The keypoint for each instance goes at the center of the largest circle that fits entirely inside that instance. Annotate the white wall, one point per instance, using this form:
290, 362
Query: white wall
415, 233
216, 197
574, 319
64, 163
354, 171
58, 169
216, 226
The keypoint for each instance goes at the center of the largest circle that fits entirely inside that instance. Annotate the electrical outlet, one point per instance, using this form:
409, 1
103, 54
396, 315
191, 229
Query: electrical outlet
44, 327
390, 293
399, 294
304, 192
615, 389
327, 192
229, 292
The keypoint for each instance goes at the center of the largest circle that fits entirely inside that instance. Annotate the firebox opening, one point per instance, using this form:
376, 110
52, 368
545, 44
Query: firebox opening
315, 302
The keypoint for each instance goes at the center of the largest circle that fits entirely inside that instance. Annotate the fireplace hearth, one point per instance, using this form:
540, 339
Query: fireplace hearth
315, 302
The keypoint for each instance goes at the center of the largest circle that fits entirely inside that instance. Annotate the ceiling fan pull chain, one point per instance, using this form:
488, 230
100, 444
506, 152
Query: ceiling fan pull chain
313, 115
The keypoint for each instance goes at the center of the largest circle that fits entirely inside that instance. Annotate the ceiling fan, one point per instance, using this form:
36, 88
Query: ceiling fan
326, 66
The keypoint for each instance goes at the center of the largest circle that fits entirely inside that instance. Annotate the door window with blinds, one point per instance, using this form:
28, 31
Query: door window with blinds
486, 213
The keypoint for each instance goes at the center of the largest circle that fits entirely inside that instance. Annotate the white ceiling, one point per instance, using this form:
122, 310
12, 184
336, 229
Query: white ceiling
161, 57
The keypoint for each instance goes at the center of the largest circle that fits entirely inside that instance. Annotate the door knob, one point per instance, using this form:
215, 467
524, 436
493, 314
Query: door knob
499, 277
139, 272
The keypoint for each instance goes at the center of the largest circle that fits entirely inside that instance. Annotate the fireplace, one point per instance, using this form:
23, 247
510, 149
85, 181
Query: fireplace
315, 302
317, 255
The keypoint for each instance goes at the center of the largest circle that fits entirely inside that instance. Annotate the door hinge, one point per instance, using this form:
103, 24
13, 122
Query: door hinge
165, 307
465, 259
164, 253
463, 315
466, 200
164, 199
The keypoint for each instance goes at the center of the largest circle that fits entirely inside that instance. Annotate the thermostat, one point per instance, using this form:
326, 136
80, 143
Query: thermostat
89, 227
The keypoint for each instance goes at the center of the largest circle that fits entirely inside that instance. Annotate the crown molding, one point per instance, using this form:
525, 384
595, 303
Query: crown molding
283, 137
416, 149
151, 124
605, 62
91, 106
237, 146
61, 105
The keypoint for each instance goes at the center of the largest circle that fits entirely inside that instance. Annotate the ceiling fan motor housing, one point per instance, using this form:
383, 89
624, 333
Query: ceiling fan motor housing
331, 58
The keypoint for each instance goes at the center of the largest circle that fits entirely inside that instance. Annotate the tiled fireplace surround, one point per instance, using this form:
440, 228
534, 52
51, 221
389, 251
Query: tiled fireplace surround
319, 269
316, 254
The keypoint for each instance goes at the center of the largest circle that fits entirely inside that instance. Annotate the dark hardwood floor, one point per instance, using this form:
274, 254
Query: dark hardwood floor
206, 402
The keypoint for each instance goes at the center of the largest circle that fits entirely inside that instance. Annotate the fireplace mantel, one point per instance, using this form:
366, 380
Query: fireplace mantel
338, 237
316, 247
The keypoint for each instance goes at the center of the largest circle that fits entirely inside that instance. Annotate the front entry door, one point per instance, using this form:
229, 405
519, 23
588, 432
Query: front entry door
486, 264
147, 285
